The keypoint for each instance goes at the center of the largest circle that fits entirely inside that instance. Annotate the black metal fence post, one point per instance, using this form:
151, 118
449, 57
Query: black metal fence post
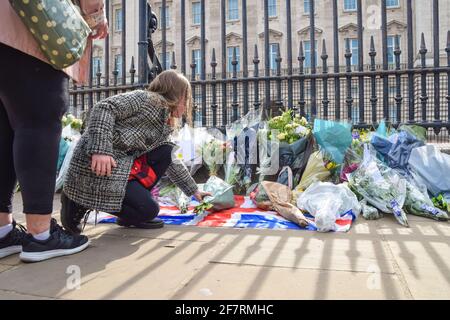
398, 82
278, 60
124, 43
423, 97
143, 64
373, 80
337, 84
256, 62
447, 49
193, 74
301, 72
312, 38
385, 60
266, 55
411, 54
349, 100
235, 104
436, 74
213, 88
361, 120
325, 100
244, 55
289, 53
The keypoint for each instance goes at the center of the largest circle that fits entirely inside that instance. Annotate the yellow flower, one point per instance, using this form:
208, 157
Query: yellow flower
331, 165
281, 136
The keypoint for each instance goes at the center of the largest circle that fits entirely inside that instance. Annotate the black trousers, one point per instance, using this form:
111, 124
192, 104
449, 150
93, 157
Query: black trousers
33, 99
138, 204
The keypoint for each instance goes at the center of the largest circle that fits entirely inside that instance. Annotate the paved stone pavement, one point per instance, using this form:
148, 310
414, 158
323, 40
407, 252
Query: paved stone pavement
375, 260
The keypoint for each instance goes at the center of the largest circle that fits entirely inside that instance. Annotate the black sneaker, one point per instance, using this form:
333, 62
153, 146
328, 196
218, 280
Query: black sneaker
71, 214
60, 243
156, 223
12, 242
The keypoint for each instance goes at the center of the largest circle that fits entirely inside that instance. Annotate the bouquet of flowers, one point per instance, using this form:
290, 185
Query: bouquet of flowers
318, 168
213, 153
190, 143
242, 137
290, 128
439, 202
381, 186
71, 127
295, 147
354, 153
418, 203
174, 195
232, 169
222, 196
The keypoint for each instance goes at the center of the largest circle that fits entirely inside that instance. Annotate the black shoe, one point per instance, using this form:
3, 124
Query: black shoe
60, 243
71, 214
12, 242
156, 223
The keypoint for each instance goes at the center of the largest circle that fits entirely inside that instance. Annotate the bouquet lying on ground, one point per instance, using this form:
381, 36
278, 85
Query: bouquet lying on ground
222, 196
174, 195
439, 202
354, 153
381, 186
419, 204
317, 169
278, 197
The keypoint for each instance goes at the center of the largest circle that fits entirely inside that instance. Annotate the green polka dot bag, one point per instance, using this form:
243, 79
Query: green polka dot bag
57, 26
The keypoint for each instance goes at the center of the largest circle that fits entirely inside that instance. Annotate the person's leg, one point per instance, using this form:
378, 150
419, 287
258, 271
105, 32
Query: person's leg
10, 237
138, 204
7, 172
35, 109
139, 207
35, 99
159, 160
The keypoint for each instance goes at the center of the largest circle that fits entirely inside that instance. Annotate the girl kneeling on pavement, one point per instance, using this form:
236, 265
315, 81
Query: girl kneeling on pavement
125, 151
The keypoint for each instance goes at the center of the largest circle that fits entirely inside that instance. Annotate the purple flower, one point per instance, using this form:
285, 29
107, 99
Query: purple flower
355, 135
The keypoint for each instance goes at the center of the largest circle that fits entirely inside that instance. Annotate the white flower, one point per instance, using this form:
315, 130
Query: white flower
301, 130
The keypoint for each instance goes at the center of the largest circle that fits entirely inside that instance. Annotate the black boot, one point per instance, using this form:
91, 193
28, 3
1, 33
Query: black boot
71, 214
156, 223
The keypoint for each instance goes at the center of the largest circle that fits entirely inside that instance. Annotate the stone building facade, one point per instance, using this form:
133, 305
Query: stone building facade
347, 21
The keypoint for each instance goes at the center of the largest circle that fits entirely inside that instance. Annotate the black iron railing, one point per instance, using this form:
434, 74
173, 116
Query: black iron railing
363, 94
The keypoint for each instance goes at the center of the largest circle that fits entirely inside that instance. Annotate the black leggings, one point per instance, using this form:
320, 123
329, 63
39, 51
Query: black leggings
33, 99
138, 204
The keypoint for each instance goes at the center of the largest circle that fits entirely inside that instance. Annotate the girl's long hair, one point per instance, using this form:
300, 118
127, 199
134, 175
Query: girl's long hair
174, 86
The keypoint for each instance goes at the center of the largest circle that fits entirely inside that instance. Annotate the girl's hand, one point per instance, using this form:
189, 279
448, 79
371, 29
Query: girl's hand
102, 164
199, 195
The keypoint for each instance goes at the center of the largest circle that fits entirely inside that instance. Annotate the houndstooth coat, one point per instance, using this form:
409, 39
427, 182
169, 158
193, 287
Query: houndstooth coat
124, 126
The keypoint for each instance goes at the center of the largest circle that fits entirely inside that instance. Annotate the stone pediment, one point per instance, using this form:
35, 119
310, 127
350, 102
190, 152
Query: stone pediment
349, 27
306, 31
272, 33
396, 25
233, 36
194, 41
159, 44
